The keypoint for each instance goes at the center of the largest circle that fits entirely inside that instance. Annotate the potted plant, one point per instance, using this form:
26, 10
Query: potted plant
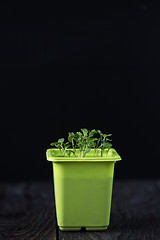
83, 170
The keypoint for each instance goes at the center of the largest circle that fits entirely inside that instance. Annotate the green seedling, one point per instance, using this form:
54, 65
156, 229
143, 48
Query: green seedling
84, 141
103, 141
72, 138
61, 146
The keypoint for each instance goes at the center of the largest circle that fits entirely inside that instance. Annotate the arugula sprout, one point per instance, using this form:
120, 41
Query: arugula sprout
84, 141
72, 138
61, 145
104, 142
92, 132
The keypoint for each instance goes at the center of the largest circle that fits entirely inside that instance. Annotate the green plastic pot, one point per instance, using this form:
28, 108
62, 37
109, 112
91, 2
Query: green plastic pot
83, 190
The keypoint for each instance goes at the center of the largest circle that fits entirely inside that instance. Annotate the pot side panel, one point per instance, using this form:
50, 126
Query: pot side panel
83, 193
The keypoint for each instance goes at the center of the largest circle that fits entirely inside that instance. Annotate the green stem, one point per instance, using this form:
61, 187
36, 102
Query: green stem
94, 150
101, 153
61, 151
73, 146
101, 138
81, 153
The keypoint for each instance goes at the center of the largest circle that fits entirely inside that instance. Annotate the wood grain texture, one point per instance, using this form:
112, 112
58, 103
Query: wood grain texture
135, 213
27, 211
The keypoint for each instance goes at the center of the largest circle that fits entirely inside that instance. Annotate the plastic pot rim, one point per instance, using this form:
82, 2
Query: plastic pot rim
108, 158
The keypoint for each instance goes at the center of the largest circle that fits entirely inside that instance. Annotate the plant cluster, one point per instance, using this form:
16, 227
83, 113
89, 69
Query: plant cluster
84, 141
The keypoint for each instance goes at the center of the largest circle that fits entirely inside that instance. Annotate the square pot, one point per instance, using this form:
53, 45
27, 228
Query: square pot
83, 190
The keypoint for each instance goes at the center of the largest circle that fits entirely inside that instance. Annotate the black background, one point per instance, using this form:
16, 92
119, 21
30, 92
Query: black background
64, 67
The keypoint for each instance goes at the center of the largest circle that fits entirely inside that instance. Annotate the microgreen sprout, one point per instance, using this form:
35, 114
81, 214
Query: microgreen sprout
104, 144
82, 142
72, 138
61, 146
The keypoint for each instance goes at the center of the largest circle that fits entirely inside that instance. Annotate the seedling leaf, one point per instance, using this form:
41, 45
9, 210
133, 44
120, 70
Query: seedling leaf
87, 150
61, 140
85, 131
53, 144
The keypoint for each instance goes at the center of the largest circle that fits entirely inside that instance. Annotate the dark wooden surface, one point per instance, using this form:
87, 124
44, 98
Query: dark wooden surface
27, 212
